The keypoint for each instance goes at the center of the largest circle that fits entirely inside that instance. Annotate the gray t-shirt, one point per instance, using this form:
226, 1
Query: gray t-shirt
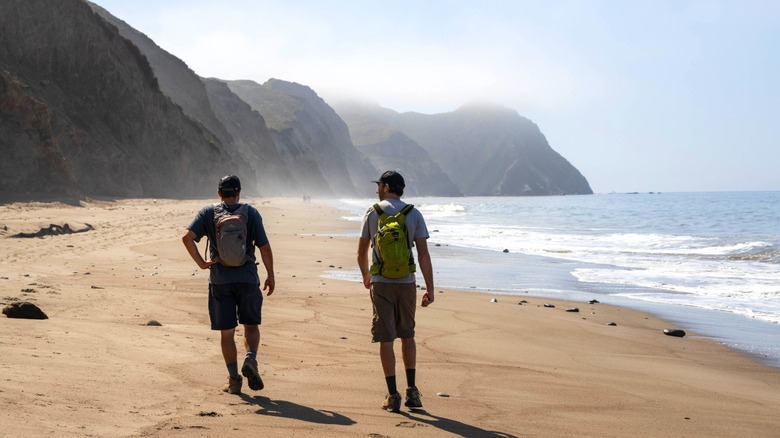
415, 227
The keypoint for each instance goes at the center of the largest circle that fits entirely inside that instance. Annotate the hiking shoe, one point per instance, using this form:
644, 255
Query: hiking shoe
249, 370
392, 403
233, 386
413, 398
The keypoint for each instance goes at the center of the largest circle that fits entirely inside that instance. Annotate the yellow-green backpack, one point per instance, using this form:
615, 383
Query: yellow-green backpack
395, 252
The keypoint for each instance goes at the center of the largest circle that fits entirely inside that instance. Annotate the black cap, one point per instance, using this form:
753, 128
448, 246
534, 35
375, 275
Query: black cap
229, 184
392, 178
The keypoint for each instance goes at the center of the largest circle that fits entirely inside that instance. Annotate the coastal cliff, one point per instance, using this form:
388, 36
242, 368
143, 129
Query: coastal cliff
92, 107
83, 114
486, 149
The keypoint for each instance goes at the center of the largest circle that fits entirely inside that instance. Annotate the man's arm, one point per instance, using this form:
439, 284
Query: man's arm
192, 248
268, 261
424, 259
362, 260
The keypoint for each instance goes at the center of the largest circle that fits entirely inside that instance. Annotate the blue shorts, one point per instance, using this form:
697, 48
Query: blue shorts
234, 303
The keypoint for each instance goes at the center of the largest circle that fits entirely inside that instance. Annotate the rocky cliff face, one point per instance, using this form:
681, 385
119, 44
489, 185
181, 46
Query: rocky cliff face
241, 131
390, 149
102, 126
30, 147
252, 141
91, 107
312, 139
488, 150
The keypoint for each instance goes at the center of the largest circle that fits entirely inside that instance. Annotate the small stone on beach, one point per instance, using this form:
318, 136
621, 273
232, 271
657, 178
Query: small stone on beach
493, 300
612, 324
674, 332
549, 305
442, 394
573, 309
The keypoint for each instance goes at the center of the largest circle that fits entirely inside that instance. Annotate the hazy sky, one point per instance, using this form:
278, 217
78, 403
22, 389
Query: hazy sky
638, 95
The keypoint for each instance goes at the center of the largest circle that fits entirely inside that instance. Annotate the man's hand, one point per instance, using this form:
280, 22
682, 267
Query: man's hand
427, 298
270, 285
206, 264
367, 281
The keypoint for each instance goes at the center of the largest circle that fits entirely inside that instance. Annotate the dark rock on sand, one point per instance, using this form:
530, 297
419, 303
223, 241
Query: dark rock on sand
549, 305
55, 229
674, 332
573, 309
612, 324
25, 310
209, 414
153, 323
593, 301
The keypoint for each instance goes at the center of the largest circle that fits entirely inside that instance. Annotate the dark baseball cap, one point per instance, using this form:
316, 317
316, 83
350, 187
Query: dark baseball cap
229, 184
391, 178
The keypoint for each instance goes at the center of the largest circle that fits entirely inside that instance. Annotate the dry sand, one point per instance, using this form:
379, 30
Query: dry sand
95, 369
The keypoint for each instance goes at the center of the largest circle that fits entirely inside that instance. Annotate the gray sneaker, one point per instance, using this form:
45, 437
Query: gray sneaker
249, 370
413, 398
392, 402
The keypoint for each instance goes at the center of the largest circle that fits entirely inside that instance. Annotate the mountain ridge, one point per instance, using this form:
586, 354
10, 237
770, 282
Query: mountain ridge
104, 111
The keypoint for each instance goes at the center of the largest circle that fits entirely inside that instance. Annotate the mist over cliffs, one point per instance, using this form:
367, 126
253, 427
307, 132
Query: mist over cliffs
89, 106
485, 148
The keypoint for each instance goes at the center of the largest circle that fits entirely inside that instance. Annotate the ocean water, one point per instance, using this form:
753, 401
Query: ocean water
709, 262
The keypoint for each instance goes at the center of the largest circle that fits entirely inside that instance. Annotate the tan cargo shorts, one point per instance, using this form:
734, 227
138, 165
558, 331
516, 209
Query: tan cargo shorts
394, 306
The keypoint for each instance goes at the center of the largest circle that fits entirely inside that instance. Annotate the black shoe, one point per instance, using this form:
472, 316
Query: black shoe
413, 398
249, 370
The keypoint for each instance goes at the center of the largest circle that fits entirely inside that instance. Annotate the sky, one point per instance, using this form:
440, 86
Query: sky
661, 96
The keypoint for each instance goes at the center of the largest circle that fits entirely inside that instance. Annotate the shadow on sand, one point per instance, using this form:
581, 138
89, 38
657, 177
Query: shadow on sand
286, 409
282, 408
452, 426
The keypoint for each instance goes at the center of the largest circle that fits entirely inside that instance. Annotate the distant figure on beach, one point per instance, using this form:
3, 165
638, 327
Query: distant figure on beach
233, 230
393, 297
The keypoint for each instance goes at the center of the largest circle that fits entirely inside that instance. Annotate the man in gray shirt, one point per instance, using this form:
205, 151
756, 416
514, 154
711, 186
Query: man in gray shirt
394, 299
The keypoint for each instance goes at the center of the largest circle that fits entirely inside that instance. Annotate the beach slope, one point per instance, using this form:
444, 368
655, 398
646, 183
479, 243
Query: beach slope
96, 367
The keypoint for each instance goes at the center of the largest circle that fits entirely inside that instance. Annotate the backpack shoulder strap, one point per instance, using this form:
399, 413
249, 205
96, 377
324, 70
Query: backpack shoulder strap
216, 210
378, 210
405, 211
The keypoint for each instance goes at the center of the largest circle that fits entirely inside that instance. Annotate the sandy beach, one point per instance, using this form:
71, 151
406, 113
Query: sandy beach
95, 368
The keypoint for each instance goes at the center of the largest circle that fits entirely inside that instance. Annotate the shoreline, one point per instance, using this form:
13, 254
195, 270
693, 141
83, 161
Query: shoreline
750, 337
508, 369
